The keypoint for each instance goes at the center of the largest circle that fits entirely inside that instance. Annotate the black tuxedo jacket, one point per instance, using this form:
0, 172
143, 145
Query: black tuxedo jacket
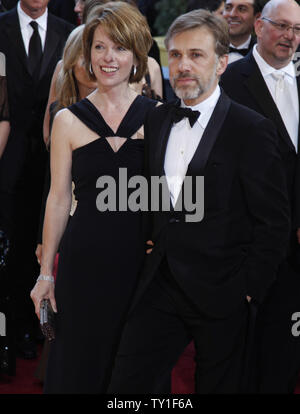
27, 95
235, 250
244, 83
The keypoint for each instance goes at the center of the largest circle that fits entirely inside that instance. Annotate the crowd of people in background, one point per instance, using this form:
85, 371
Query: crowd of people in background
81, 86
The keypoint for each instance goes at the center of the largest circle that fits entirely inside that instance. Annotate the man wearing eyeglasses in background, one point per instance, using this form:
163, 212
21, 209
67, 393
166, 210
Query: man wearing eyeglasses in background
268, 81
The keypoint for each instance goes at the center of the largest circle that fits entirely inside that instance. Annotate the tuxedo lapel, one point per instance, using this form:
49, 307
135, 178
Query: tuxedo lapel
163, 138
258, 89
51, 42
13, 31
209, 136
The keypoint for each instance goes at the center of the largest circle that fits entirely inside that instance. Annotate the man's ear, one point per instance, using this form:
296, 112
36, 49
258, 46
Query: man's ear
257, 16
258, 27
222, 64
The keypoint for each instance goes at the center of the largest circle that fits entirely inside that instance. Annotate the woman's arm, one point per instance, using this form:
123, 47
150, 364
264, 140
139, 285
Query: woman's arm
58, 203
51, 99
4, 133
155, 76
4, 112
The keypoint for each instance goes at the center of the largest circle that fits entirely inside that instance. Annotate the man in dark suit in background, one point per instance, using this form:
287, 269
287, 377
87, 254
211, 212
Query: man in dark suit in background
240, 16
266, 81
203, 275
32, 40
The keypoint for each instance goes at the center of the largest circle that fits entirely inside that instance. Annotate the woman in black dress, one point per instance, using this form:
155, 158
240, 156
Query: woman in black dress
100, 252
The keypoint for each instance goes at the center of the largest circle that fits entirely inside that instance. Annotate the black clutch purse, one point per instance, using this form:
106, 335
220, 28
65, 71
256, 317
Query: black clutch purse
4, 249
47, 319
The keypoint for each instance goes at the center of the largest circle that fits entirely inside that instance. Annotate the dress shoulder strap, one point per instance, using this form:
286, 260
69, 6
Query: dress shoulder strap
90, 116
133, 120
136, 115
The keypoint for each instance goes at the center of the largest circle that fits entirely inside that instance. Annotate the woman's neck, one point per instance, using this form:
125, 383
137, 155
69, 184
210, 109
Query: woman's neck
110, 98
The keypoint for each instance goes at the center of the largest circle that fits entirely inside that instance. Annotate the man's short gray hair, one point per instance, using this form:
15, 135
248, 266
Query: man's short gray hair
202, 18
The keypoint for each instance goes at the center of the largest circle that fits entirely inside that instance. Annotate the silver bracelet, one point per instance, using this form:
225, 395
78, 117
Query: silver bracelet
44, 277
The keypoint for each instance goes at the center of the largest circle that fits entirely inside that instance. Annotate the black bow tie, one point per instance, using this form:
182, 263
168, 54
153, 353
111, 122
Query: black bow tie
179, 113
242, 52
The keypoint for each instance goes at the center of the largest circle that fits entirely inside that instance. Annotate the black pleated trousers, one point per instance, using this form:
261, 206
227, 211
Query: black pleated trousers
159, 328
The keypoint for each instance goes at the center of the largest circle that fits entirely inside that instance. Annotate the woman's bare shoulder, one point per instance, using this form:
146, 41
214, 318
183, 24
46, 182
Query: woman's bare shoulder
65, 124
152, 64
65, 117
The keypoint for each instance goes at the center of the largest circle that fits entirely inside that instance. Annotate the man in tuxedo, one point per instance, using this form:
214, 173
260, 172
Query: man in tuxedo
266, 81
240, 16
201, 277
32, 40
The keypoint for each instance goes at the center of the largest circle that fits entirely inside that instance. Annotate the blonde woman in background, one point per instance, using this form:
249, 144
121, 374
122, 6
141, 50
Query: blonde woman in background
70, 84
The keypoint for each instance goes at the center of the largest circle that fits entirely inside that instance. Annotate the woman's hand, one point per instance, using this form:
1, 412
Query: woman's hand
43, 289
39, 252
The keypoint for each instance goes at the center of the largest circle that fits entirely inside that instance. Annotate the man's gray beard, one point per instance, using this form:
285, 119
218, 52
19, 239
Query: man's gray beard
189, 93
197, 91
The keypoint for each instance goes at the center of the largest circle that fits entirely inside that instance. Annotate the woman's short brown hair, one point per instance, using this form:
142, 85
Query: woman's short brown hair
126, 26
89, 5
202, 18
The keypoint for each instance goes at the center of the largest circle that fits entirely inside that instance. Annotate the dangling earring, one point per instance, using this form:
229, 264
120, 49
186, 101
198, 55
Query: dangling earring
134, 70
91, 69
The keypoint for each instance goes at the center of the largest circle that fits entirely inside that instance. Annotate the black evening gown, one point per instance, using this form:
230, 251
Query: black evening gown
100, 257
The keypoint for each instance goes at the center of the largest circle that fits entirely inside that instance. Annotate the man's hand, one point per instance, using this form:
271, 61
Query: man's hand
150, 243
248, 298
298, 235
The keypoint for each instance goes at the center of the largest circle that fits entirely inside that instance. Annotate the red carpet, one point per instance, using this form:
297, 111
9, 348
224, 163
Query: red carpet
182, 376
25, 382
183, 373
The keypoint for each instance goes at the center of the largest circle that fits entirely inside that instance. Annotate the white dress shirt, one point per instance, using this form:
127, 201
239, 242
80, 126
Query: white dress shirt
27, 30
233, 56
183, 142
288, 103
